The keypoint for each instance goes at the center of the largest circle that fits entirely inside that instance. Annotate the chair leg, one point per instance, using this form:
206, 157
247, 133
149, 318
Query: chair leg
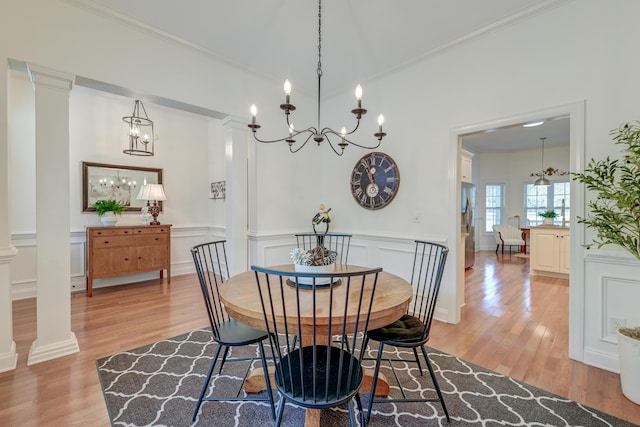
266, 379
374, 382
497, 247
224, 358
435, 383
206, 382
415, 353
280, 411
503, 249
360, 410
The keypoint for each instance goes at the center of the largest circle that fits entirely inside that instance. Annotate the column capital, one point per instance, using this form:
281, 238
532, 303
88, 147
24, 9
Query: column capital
50, 78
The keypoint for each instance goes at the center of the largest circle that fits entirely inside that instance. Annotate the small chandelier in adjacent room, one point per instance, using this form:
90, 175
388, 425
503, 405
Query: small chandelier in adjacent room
141, 136
319, 134
542, 181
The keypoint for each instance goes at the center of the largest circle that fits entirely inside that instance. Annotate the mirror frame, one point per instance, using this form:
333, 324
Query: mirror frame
96, 171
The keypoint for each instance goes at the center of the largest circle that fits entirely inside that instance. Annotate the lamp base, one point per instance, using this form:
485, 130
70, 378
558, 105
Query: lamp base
154, 211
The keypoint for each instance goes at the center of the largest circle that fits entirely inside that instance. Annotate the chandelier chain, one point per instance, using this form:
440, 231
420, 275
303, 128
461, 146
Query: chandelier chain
319, 70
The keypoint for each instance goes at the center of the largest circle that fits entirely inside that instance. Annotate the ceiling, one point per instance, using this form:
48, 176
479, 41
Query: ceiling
361, 39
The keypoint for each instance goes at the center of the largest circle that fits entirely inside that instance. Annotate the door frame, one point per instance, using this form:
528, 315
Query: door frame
576, 113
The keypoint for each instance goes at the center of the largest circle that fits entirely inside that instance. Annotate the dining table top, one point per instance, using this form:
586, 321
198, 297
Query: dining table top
240, 297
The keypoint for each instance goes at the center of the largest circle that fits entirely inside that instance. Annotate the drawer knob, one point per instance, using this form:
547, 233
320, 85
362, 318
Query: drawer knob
126, 259
106, 242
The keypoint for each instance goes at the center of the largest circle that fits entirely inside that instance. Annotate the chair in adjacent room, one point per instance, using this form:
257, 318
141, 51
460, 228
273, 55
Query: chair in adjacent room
412, 330
212, 268
315, 374
507, 235
337, 242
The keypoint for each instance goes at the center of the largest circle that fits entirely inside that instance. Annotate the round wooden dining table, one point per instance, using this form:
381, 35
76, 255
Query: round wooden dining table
240, 297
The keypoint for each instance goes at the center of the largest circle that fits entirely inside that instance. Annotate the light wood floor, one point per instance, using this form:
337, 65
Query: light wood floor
509, 324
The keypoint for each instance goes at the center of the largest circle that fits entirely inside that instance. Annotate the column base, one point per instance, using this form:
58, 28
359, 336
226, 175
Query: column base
9, 361
43, 353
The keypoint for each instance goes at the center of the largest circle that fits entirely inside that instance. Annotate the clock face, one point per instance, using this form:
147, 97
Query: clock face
375, 180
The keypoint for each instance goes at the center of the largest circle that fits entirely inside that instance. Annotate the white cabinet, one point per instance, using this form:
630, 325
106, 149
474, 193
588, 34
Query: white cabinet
550, 253
466, 165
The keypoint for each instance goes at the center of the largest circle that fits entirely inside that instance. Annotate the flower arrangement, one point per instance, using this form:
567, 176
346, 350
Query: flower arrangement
317, 256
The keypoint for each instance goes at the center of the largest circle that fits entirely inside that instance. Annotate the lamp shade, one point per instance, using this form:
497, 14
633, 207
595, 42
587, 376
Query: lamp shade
152, 192
542, 181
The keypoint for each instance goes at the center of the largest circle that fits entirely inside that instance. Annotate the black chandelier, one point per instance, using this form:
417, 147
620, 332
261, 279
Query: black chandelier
141, 136
317, 133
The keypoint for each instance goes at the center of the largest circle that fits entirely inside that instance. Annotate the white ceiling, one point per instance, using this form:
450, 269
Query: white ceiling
361, 39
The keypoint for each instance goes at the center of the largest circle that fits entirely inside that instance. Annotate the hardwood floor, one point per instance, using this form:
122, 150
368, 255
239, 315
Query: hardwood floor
509, 324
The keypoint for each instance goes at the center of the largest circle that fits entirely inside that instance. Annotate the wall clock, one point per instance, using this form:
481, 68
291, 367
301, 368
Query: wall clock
375, 180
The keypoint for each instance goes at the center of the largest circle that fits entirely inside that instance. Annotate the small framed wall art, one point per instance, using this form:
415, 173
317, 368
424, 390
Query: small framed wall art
218, 190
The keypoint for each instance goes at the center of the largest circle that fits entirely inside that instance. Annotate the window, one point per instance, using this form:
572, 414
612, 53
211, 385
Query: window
494, 206
546, 198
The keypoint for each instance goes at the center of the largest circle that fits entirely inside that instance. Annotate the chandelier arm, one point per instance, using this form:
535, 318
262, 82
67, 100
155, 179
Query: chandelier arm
339, 135
312, 131
302, 145
339, 153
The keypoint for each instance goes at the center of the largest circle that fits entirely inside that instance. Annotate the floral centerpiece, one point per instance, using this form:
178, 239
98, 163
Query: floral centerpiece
318, 259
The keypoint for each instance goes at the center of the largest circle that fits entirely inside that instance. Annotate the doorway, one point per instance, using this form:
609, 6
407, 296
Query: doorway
575, 114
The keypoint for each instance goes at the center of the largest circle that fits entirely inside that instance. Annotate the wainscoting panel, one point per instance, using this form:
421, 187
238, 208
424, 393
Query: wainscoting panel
612, 289
23, 267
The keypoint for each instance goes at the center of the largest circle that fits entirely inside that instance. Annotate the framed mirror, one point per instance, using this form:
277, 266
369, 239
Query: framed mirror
115, 182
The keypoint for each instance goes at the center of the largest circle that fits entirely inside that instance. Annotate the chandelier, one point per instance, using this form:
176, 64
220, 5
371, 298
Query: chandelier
542, 181
318, 133
141, 135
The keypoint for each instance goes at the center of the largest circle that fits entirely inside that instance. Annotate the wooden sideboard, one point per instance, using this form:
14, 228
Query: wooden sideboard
121, 250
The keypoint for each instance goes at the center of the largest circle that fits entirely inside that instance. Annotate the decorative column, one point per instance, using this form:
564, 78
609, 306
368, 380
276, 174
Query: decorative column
54, 337
236, 175
8, 355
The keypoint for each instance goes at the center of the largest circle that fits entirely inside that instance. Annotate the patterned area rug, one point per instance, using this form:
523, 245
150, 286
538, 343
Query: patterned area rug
158, 385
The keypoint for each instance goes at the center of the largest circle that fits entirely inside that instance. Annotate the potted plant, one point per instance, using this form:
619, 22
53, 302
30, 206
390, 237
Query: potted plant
629, 358
108, 209
614, 214
548, 217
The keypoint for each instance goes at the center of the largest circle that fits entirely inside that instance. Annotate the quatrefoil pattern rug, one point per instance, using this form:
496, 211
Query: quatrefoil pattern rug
158, 385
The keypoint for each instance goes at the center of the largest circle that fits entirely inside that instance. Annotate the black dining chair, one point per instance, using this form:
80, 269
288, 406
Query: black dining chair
336, 242
412, 330
315, 374
212, 268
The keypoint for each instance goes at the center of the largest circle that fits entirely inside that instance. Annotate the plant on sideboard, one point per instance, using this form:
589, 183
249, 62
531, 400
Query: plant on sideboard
615, 212
104, 206
108, 209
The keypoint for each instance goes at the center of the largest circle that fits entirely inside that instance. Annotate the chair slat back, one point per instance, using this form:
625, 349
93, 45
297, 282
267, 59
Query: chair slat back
337, 242
426, 278
311, 309
210, 260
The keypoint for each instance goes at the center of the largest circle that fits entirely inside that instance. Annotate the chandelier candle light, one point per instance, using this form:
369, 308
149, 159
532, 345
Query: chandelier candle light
317, 133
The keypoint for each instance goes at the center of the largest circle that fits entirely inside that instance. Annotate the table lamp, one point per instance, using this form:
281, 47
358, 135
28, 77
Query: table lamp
153, 192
